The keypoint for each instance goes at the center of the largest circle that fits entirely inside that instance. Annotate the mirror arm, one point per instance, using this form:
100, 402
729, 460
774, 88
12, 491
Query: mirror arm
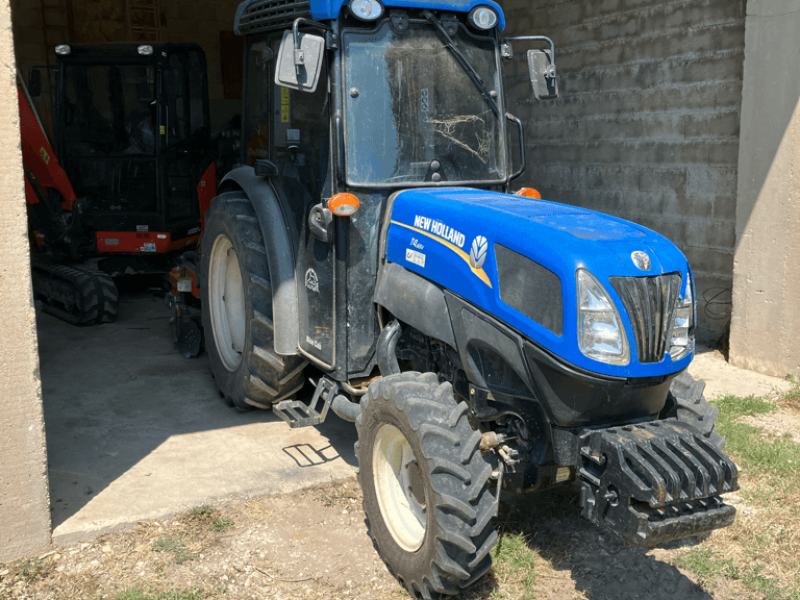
521, 170
536, 38
299, 59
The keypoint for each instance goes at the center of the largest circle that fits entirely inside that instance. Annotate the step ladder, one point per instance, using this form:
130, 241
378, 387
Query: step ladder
300, 414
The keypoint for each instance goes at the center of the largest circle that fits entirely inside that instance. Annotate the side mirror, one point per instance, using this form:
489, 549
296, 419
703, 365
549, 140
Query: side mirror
543, 74
35, 83
299, 68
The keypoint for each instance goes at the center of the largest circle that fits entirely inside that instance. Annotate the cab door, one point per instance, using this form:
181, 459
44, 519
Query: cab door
300, 146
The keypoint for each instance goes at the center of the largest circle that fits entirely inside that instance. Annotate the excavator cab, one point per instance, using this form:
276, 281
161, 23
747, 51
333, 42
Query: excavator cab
132, 131
129, 175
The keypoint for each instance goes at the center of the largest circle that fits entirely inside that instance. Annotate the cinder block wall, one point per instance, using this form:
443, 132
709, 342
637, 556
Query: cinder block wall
24, 498
647, 123
96, 21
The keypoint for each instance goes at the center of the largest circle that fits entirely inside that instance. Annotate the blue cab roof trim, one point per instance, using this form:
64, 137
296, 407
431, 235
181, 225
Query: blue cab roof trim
329, 9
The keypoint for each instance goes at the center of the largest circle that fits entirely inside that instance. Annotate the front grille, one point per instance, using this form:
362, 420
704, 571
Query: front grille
270, 15
650, 302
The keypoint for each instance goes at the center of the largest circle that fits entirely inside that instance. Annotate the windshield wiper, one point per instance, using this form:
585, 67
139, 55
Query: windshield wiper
462, 60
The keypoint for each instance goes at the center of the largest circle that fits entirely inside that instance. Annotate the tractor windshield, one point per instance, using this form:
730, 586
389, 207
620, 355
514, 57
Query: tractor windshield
414, 114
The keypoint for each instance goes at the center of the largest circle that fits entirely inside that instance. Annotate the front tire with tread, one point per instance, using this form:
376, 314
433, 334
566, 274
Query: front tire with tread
687, 403
459, 498
262, 377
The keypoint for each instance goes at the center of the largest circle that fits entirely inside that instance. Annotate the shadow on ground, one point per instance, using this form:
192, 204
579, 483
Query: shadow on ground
134, 428
585, 558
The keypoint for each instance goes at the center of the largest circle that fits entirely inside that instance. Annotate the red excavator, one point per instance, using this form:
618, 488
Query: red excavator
132, 173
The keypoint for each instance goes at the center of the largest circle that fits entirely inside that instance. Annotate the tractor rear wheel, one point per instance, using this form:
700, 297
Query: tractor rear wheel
426, 484
687, 403
237, 314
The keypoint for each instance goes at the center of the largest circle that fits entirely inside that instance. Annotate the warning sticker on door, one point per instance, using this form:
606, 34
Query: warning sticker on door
285, 113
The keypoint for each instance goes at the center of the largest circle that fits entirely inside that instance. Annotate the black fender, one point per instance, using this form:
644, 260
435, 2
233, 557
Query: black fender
274, 218
416, 301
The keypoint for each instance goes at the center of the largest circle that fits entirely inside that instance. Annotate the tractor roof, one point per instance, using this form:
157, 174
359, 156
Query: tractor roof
254, 16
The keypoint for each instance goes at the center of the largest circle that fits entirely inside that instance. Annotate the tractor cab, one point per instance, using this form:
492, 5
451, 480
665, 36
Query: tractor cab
368, 99
132, 132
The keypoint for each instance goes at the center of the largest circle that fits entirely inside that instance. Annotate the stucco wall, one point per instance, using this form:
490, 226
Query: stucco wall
647, 123
766, 302
24, 499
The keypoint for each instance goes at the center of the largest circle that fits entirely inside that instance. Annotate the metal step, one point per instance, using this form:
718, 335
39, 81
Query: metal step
300, 414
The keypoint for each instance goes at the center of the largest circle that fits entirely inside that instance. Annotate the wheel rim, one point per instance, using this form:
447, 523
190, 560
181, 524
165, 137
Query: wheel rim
398, 486
226, 299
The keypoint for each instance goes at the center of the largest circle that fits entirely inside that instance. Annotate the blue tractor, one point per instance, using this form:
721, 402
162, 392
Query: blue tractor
481, 340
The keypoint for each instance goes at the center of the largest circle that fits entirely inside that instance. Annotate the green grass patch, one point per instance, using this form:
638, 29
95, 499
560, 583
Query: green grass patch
514, 560
709, 568
140, 594
208, 516
201, 513
747, 444
31, 569
220, 524
174, 545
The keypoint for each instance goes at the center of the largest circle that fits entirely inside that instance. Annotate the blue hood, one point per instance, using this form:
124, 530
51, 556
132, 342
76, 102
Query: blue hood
448, 235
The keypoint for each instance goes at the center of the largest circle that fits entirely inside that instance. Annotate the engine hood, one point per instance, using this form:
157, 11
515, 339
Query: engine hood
451, 237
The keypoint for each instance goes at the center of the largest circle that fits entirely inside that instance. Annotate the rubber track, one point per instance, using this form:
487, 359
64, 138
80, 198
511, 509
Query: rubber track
109, 306
84, 287
464, 501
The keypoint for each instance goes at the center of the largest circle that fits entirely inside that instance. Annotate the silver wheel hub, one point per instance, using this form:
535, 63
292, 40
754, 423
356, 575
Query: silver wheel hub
226, 300
399, 487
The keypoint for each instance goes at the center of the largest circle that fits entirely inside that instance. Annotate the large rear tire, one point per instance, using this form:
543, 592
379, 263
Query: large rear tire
687, 403
237, 309
427, 492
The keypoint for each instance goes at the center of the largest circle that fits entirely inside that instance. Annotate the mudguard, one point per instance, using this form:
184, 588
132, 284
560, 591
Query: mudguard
415, 301
274, 222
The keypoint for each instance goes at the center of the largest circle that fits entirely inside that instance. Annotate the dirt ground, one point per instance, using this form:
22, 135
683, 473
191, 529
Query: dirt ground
314, 544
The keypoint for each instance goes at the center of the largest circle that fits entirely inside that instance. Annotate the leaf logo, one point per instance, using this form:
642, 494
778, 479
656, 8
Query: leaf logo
477, 254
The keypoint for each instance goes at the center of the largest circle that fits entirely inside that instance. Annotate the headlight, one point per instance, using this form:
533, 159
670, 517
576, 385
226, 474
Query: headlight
483, 17
63, 49
145, 50
600, 332
366, 10
681, 336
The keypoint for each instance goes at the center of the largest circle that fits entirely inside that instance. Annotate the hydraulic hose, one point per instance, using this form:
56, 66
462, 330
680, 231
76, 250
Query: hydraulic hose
387, 346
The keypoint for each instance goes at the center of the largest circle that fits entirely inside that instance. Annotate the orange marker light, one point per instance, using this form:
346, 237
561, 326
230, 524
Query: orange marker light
529, 193
344, 205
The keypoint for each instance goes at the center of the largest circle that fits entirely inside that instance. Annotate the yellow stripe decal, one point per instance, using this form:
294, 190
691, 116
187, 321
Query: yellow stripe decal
480, 273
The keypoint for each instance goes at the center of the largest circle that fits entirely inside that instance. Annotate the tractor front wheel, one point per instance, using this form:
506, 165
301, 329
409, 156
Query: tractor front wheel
427, 486
687, 403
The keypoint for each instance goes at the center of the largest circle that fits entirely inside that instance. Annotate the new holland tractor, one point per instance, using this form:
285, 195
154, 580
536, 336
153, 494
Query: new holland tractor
482, 341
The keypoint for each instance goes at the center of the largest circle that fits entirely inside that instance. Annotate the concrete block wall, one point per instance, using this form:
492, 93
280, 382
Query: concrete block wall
24, 498
766, 322
647, 123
